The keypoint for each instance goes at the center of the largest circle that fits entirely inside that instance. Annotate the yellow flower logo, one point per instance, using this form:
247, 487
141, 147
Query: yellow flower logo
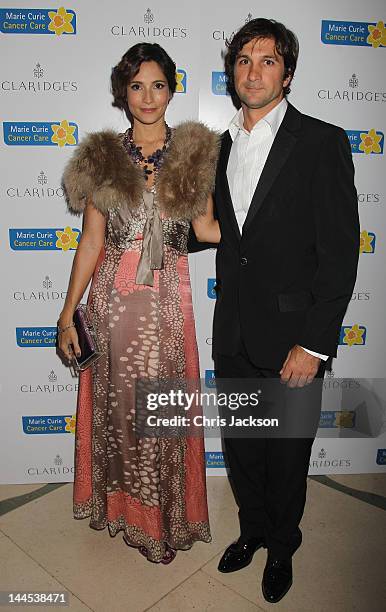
370, 142
70, 423
377, 36
366, 242
180, 78
353, 335
344, 419
63, 133
60, 21
66, 239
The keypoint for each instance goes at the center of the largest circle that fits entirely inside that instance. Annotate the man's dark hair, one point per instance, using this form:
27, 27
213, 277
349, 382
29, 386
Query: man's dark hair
286, 45
129, 66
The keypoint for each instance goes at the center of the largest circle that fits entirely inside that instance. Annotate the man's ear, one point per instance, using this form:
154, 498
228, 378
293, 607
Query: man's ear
287, 80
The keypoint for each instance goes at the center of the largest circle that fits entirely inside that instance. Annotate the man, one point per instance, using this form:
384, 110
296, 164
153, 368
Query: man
286, 267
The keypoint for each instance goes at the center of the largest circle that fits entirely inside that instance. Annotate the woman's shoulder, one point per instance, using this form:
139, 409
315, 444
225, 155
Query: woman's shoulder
99, 168
187, 175
191, 133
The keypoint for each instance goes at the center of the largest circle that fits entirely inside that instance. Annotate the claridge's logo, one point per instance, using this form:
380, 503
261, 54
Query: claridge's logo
369, 143
40, 133
354, 33
148, 16
38, 21
38, 84
41, 191
44, 239
36, 295
42, 178
149, 30
38, 72
353, 81
352, 93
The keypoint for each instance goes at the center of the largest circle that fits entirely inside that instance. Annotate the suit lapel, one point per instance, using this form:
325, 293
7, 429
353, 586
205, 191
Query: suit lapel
224, 185
282, 146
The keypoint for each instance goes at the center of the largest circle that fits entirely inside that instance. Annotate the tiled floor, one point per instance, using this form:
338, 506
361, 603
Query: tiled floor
339, 567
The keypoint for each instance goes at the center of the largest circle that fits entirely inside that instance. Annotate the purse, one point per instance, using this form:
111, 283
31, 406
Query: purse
87, 338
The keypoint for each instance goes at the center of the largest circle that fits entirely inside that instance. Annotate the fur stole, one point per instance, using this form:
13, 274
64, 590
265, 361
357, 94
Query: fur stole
101, 170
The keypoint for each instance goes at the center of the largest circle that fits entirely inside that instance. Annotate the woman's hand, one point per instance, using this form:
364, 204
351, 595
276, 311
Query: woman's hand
68, 342
206, 227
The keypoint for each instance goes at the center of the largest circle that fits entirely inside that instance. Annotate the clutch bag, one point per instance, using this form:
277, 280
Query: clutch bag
87, 338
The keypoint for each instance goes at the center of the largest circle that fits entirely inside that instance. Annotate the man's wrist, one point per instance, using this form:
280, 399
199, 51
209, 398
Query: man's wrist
315, 354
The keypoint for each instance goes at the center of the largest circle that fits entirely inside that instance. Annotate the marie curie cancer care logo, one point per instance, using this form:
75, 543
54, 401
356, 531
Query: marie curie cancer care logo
214, 459
352, 335
219, 83
40, 133
36, 337
369, 143
367, 242
37, 21
44, 239
354, 33
49, 424
181, 78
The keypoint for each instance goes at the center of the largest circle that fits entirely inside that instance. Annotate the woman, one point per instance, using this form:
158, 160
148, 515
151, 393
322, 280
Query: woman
138, 193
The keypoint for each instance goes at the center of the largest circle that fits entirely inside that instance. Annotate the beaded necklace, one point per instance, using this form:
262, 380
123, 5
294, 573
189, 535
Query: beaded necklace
154, 158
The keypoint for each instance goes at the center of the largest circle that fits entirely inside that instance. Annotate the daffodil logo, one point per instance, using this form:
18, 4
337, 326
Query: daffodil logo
61, 22
345, 418
63, 133
67, 239
370, 142
367, 242
70, 423
377, 35
356, 334
181, 81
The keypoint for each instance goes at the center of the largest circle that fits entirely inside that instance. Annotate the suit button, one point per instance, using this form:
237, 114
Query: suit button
243, 261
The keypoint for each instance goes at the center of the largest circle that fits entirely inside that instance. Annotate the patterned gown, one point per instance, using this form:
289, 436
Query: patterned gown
151, 488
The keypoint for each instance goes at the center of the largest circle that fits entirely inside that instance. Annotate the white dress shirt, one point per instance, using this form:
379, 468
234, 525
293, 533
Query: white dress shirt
247, 158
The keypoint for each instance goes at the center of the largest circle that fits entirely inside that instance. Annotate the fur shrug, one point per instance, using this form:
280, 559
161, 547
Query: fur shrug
100, 170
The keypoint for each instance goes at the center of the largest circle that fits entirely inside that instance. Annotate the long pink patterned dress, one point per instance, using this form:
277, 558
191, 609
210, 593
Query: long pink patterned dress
151, 488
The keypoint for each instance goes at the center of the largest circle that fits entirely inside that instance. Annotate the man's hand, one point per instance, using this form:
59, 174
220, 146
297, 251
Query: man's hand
299, 368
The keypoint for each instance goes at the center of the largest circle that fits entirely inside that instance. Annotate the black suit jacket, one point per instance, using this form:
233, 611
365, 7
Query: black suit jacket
289, 277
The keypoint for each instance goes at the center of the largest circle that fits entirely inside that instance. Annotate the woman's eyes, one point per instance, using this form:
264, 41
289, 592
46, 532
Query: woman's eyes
137, 86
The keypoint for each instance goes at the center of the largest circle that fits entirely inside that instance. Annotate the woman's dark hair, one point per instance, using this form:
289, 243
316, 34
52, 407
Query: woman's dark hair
286, 45
129, 66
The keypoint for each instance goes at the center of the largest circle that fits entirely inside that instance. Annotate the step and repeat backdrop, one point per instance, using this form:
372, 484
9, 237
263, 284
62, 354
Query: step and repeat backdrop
54, 83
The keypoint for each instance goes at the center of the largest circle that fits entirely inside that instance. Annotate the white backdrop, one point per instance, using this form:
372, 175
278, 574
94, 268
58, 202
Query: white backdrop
55, 88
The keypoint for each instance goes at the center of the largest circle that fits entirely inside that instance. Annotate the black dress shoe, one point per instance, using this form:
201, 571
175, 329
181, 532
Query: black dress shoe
239, 554
277, 578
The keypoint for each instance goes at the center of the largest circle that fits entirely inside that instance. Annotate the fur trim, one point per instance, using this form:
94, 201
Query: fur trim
101, 170
187, 175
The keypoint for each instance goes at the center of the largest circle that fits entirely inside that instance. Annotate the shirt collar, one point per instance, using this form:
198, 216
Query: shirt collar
273, 119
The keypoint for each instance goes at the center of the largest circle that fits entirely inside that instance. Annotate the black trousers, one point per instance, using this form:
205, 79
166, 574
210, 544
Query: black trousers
268, 475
